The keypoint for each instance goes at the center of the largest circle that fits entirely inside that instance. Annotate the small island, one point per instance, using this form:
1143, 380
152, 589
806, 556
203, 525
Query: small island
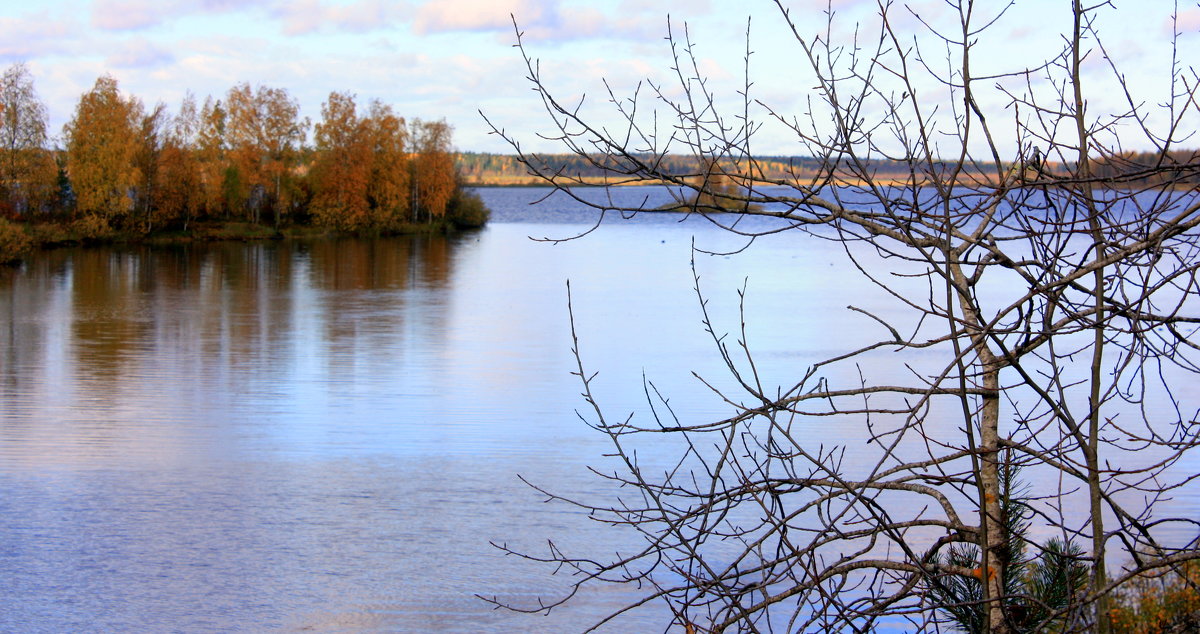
712, 190
234, 167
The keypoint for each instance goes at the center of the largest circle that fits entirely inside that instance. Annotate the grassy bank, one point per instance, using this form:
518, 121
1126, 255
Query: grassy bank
464, 210
18, 240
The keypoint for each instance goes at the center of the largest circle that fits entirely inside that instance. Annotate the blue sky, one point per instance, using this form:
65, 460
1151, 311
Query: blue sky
451, 58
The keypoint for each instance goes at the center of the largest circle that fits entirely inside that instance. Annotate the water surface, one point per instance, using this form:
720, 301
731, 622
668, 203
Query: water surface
326, 435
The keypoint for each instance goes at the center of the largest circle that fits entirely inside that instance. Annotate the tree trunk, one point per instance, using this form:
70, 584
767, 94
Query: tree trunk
993, 541
1092, 451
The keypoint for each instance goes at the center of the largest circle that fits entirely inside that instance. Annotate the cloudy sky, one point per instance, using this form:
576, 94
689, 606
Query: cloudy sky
451, 58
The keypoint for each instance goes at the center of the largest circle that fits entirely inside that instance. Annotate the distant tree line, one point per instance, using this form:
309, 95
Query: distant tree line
1177, 166
240, 157
508, 169
1151, 168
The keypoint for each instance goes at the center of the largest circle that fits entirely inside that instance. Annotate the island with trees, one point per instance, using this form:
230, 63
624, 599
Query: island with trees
236, 166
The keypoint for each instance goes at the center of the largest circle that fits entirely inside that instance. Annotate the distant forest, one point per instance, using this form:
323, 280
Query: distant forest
505, 169
1132, 167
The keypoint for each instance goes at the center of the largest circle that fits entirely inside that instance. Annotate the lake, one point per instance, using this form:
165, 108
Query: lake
325, 436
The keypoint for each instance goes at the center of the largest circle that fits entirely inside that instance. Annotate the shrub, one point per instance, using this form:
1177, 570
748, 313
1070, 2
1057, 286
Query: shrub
1159, 605
91, 227
466, 209
14, 242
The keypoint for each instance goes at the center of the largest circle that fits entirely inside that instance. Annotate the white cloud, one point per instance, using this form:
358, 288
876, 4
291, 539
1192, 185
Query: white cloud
587, 23
541, 20
140, 53
129, 15
659, 9
1188, 23
34, 36
440, 16
310, 16
135, 15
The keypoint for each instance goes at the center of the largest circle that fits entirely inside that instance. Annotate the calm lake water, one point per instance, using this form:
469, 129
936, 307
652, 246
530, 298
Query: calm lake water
325, 436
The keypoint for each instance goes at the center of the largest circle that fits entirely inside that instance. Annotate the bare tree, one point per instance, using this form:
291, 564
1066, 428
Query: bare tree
1057, 296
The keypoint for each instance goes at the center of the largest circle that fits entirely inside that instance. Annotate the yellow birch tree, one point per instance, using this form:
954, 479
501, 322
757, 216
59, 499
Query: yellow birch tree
179, 179
211, 157
433, 168
102, 144
27, 168
265, 134
341, 170
388, 190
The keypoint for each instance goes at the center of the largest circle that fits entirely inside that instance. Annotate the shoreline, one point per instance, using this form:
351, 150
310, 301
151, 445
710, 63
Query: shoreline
49, 236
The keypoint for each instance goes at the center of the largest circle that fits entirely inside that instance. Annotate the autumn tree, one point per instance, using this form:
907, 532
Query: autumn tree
247, 156
362, 171
27, 169
433, 173
342, 164
388, 190
1035, 317
151, 139
102, 147
127, 167
179, 183
265, 134
211, 158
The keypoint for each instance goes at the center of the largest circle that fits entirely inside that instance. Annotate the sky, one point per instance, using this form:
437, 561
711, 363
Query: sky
451, 59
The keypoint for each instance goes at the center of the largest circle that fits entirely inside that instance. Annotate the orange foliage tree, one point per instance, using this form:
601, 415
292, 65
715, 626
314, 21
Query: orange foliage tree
211, 158
151, 135
265, 133
341, 169
388, 190
102, 145
361, 168
178, 175
233, 158
433, 170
